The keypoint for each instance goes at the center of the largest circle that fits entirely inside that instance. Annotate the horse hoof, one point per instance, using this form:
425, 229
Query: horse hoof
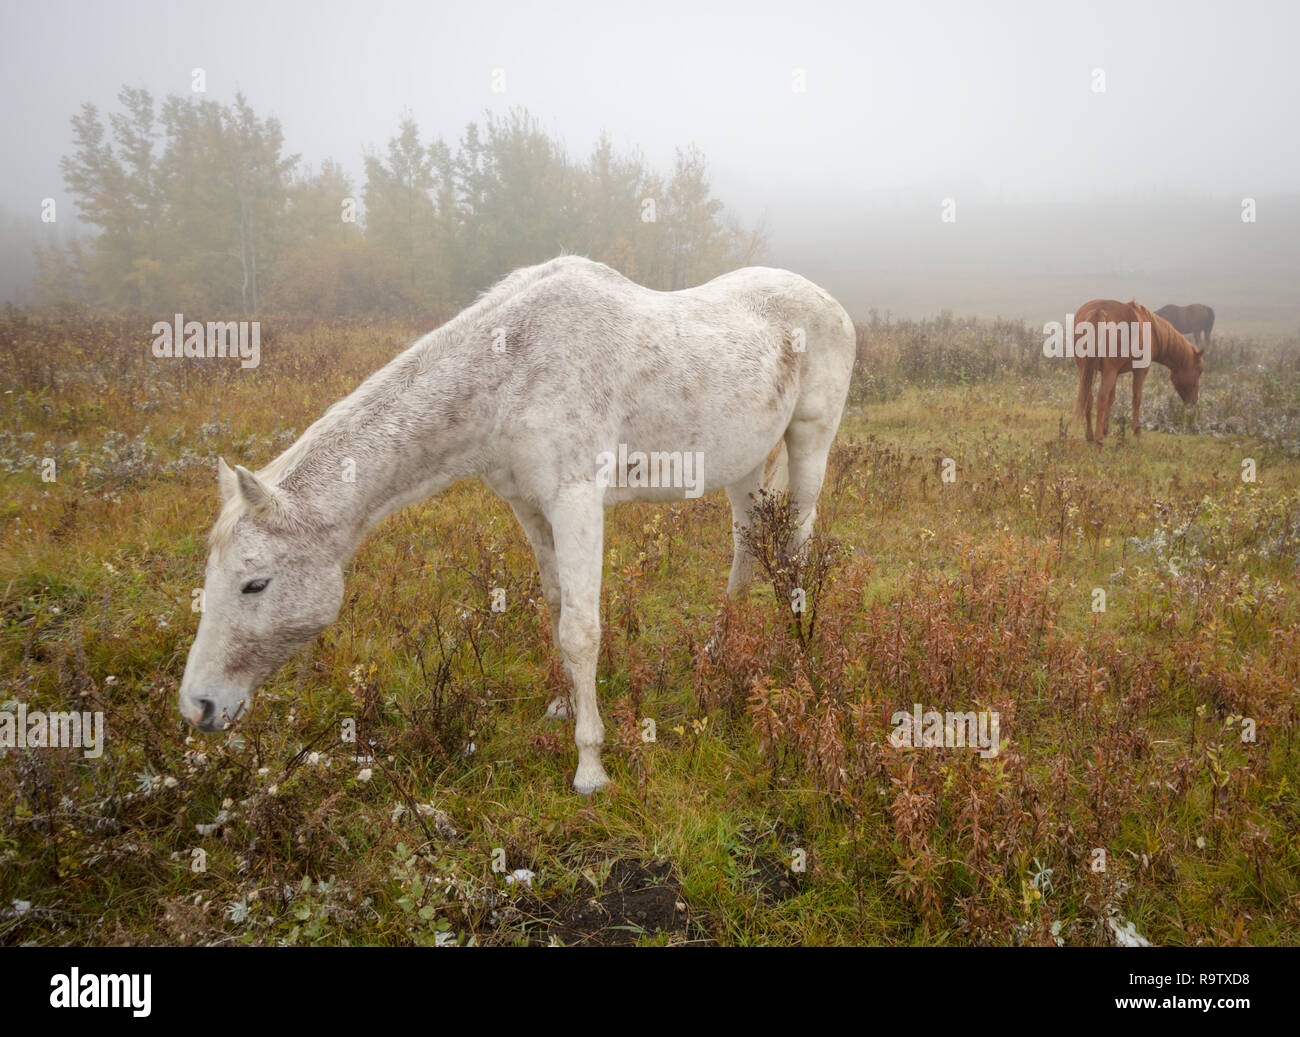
558, 708
588, 783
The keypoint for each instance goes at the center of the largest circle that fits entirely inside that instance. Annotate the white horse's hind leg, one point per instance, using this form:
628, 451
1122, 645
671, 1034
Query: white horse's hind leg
741, 494
577, 522
809, 444
538, 531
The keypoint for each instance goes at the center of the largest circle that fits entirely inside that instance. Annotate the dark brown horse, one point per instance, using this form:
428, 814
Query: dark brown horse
1168, 347
1191, 320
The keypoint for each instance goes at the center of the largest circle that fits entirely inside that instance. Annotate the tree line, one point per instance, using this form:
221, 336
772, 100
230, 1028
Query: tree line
197, 206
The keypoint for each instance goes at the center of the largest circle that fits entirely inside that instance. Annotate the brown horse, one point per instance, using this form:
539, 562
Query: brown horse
1184, 360
1191, 320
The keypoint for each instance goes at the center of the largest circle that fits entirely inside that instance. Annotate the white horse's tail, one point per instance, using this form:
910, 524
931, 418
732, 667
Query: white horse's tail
776, 472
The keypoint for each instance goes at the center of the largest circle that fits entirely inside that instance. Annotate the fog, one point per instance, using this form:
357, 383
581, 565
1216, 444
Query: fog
1099, 150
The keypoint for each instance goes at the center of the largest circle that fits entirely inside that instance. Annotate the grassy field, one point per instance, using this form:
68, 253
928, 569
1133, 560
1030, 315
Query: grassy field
1146, 785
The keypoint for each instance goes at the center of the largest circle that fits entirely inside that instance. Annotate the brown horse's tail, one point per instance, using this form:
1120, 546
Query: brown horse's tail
1209, 323
1084, 399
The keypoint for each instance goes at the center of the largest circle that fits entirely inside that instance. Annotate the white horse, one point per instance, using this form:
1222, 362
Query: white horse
567, 388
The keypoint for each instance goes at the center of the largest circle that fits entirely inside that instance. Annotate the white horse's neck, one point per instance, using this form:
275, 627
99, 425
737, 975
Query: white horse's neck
412, 428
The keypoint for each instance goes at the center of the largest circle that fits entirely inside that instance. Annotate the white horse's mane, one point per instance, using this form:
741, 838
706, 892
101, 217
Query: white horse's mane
386, 383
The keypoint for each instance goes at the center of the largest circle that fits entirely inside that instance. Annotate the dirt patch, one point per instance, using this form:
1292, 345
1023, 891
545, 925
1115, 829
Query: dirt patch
638, 899
766, 871
772, 879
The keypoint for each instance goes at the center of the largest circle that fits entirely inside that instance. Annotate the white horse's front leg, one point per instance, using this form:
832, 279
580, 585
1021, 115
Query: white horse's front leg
538, 530
577, 523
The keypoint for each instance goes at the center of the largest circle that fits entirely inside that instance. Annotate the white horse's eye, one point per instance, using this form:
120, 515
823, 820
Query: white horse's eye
255, 586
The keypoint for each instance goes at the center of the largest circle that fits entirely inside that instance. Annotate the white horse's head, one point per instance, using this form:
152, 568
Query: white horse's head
272, 584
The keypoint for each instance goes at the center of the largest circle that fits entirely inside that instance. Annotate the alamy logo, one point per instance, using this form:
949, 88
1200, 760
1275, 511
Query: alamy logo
1124, 339
658, 468
242, 339
125, 990
36, 729
932, 730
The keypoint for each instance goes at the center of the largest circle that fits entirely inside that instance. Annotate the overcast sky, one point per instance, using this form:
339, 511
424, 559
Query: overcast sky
912, 98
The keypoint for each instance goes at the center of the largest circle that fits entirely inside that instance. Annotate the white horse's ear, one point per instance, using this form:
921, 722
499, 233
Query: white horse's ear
257, 495
226, 479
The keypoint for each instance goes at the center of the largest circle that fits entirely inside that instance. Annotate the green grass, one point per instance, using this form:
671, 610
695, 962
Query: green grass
1121, 729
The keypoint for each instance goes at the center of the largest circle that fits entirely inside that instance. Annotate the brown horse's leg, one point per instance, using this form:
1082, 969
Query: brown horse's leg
1087, 406
1139, 376
1105, 397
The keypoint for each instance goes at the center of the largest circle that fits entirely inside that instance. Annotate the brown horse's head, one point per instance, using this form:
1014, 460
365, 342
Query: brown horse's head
1187, 376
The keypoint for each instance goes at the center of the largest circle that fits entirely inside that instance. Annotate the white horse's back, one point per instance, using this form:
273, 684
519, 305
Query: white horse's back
718, 371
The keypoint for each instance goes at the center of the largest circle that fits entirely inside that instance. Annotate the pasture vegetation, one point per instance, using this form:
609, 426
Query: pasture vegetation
1121, 731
